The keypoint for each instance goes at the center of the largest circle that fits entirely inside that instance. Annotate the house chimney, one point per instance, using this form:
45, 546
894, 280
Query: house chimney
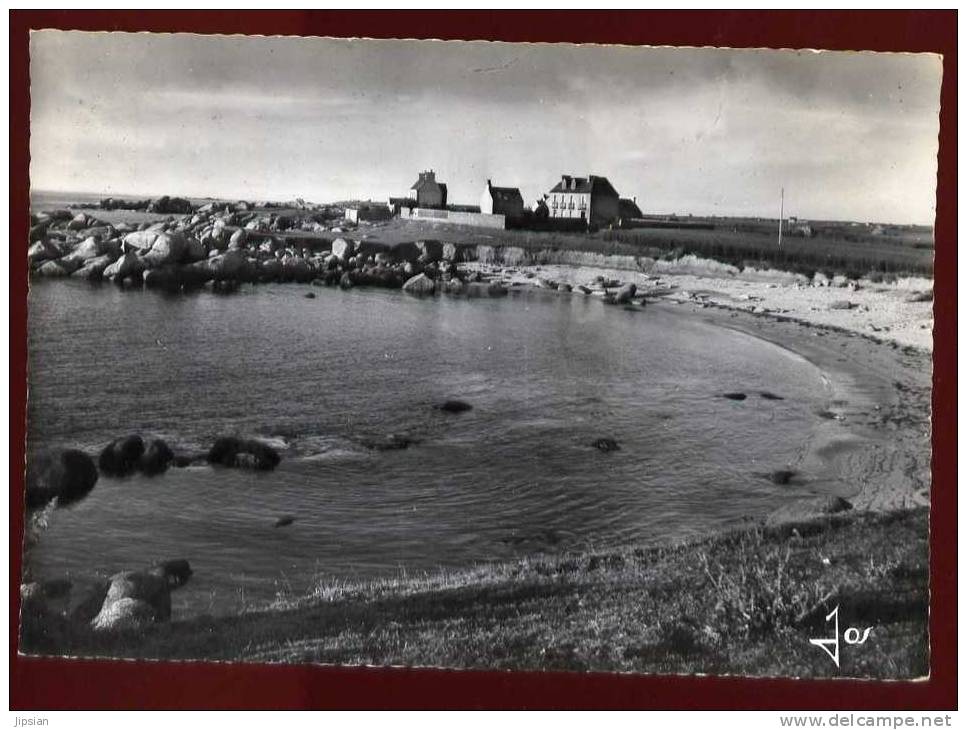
488, 184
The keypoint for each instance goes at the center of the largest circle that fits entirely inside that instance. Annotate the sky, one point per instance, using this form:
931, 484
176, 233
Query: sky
849, 136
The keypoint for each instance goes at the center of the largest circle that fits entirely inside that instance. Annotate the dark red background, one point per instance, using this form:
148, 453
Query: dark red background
66, 684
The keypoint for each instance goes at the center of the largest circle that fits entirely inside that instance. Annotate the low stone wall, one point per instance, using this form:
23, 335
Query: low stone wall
460, 218
517, 256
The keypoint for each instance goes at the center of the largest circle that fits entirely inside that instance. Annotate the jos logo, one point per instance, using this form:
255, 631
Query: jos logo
850, 636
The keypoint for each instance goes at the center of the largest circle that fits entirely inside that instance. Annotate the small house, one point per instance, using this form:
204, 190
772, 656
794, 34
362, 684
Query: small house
502, 201
429, 192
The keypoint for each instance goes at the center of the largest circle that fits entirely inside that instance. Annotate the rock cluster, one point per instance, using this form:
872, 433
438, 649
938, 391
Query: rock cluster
223, 245
67, 475
126, 601
231, 451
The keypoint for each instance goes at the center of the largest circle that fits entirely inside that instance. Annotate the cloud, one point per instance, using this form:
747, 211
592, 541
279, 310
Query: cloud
687, 130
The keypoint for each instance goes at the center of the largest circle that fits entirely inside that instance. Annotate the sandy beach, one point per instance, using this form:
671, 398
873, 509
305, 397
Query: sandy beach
874, 447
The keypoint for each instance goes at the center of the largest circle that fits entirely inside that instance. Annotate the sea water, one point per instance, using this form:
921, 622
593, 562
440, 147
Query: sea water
546, 375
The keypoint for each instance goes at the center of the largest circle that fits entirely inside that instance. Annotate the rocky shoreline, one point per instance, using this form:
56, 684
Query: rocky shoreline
875, 448
222, 248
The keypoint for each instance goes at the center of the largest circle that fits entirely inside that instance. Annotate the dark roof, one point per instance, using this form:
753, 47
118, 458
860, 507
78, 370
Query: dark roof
627, 208
593, 184
506, 195
430, 185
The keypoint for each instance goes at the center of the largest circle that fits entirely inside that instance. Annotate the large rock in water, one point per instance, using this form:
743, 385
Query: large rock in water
232, 451
196, 274
94, 269
232, 265
128, 265
66, 475
137, 598
139, 241
156, 459
625, 294
168, 248
606, 445
52, 269
195, 250
421, 285
270, 270
164, 277
122, 456
454, 406
295, 268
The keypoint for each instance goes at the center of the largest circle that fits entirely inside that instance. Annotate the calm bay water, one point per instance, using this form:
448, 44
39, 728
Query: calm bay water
546, 375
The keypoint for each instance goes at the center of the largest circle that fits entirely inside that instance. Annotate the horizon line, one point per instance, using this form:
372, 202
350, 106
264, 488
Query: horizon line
145, 195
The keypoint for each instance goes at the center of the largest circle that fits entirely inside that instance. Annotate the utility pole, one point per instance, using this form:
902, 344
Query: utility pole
782, 196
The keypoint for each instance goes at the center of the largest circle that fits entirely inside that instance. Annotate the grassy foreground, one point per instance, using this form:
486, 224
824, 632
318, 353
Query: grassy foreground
746, 602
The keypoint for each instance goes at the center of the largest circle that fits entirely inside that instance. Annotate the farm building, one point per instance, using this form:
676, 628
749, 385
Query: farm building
502, 201
429, 192
590, 198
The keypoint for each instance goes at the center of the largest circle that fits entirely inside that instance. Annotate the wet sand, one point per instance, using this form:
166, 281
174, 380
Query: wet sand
873, 447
